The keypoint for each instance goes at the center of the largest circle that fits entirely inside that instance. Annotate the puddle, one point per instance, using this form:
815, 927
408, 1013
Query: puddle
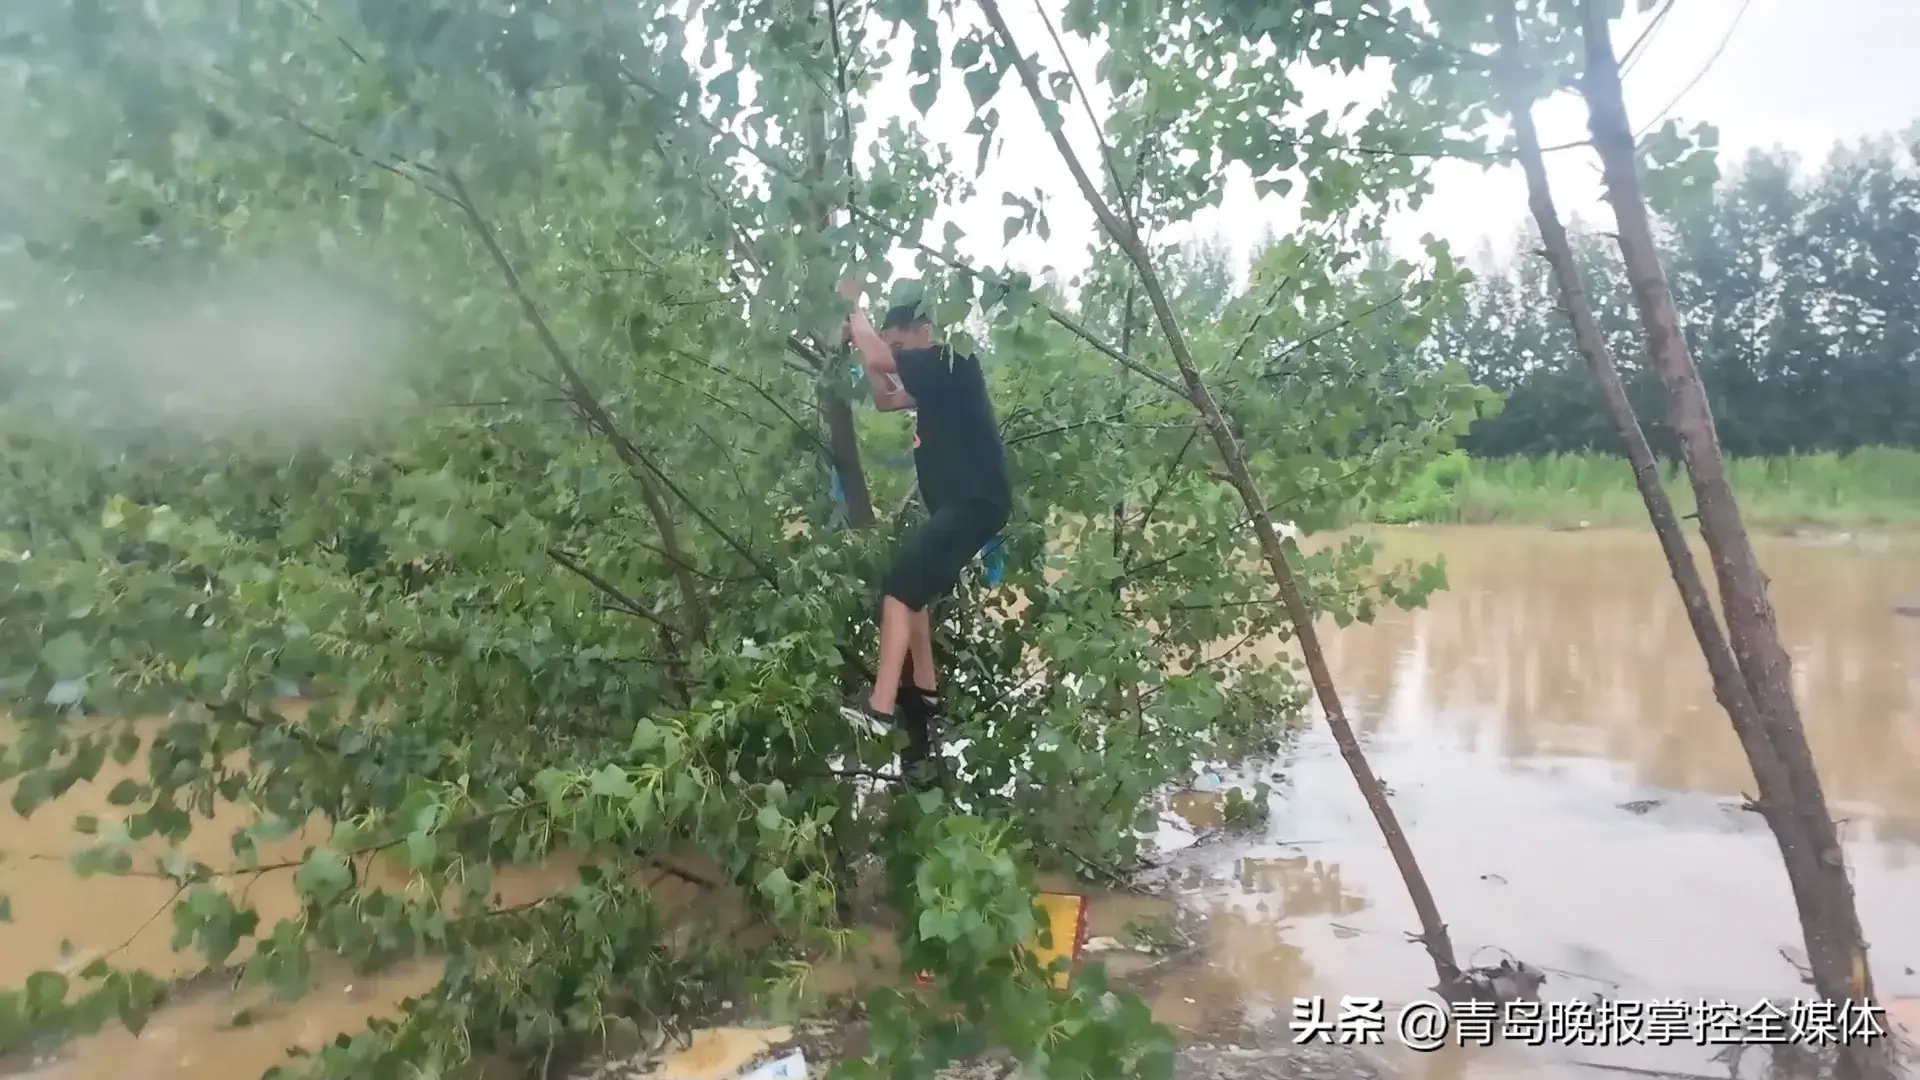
1554, 752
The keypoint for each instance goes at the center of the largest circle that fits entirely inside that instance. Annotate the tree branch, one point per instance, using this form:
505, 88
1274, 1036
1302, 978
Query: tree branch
1080, 89
1166, 479
1273, 367
793, 344
783, 169
622, 600
1433, 931
589, 405
1068, 322
1258, 317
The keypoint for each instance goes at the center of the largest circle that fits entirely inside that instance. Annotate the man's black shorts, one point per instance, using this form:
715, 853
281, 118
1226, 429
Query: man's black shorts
930, 559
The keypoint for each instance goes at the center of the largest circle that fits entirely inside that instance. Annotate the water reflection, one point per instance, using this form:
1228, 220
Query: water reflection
1553, 644
1299, 886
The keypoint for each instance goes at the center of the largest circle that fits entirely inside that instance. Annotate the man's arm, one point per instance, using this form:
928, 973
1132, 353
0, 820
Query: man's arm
883, 374
888, 394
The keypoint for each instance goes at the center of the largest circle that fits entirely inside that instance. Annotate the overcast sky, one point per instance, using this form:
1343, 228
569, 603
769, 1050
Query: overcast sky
1799, 74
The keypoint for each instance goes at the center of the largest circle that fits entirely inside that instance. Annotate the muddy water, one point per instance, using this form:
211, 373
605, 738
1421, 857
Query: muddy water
1548, 733
62, 922
1552, 747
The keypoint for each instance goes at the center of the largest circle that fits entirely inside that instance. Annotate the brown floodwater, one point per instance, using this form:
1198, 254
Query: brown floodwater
1548, 735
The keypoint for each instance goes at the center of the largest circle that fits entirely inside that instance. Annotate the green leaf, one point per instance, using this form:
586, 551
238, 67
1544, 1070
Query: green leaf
935, 925
126, 747
135, 1001
422, 849
46, 991
776, 886
31, 791
983, 83
324, 875
272, 830
726, 87
611, 781
922, 94
769, 819
646, 736
68, 656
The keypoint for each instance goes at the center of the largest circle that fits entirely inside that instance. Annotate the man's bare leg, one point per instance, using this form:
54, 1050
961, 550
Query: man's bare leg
896, 635
920, 648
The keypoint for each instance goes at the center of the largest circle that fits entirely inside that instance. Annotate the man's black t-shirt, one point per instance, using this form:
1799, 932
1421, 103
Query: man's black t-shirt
957, 450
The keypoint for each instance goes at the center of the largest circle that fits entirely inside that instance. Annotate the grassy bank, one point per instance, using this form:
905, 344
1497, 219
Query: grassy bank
1869, 487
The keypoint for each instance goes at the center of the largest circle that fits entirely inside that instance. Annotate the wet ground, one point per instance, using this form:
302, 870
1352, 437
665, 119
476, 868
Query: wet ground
1552, 747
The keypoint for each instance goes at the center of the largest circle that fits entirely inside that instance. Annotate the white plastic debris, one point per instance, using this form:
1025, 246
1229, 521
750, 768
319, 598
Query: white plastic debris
791, 1067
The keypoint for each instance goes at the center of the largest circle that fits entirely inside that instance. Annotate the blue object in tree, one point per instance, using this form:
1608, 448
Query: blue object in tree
839, 493
993, 557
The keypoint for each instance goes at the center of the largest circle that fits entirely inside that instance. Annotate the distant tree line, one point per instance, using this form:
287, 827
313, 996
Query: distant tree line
1800, 296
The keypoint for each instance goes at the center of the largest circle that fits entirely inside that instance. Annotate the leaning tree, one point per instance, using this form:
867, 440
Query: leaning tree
421, 422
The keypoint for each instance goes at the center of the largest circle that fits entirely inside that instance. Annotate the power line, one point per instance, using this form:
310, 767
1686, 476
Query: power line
1633, 53
1704, 68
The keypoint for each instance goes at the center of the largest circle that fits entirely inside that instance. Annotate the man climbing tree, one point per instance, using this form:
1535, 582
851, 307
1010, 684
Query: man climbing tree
961, 466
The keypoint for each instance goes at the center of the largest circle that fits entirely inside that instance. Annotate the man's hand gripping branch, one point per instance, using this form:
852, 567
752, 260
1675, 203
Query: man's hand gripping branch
876, 356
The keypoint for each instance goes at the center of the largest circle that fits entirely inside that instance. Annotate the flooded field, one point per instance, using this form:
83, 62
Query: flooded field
1551, 744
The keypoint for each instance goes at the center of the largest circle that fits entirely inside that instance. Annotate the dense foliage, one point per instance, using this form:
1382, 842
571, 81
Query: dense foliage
1795, 292
459, 368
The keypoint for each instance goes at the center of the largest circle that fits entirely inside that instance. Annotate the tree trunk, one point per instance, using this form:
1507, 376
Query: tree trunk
1836, 947
845, 445
1433, 932
843, 440
1118, 514
1729, 686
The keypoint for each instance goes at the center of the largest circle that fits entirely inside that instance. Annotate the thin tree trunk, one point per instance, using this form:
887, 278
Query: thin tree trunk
843, 440
1729, 686
1836, 947
1433, 932
1119, 512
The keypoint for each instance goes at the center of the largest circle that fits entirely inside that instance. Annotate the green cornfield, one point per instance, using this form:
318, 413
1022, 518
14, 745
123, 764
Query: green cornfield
1873, 486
